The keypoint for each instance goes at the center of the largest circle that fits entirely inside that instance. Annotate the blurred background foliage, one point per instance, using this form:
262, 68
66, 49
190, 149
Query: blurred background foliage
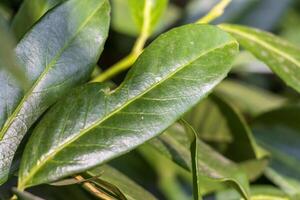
251, 87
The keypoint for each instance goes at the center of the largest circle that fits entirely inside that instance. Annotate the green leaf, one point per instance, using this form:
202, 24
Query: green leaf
251, 157
171, 182
209, 165
134, 12
231, 130
29, 13
249, 99
278, 131
139, 12
174, 143
282, 57
84, 129
258, 192
56, 58
129, 188
241, 133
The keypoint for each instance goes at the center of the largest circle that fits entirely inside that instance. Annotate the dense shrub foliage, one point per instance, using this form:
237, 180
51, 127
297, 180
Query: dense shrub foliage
200, 107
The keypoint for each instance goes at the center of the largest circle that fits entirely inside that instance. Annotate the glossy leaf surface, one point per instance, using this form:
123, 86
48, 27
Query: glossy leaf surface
55, 58
85, 129
282, 57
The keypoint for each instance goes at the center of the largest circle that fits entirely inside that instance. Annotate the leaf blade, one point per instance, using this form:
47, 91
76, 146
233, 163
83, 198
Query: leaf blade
278, 131
281, 56
47, 54
127, 186
132, 99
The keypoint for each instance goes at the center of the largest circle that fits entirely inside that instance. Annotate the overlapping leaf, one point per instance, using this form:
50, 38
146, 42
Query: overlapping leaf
278, 131
209, 165
57, 54
29, 13
258, 192
282, 57
94, 125
249, 99
129, 188
231, 129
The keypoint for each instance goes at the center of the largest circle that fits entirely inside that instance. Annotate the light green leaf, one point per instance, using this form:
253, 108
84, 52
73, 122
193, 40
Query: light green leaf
281, 56
56, 58
29, 13
278, 131
154, 8
249, 99
134, 12
84, 129
129, 188
258, 192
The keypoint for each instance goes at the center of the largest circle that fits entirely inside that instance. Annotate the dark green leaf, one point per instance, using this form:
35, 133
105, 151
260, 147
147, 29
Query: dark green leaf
282, 57
175, 145
278, 131
129, 188
231, 129
241, 133
56, 58
209, 165
29, 13
84, 130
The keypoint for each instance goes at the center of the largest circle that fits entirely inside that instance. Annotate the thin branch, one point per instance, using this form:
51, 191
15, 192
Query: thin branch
137, 49
215, 12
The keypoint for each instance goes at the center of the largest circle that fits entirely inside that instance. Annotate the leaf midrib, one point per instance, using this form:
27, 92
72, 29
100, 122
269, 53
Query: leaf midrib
51, 155
12, 117
261, 42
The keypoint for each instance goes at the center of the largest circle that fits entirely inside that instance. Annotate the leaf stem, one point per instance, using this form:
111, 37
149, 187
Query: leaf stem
137, 49
90, 187
14, 197
215, 12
